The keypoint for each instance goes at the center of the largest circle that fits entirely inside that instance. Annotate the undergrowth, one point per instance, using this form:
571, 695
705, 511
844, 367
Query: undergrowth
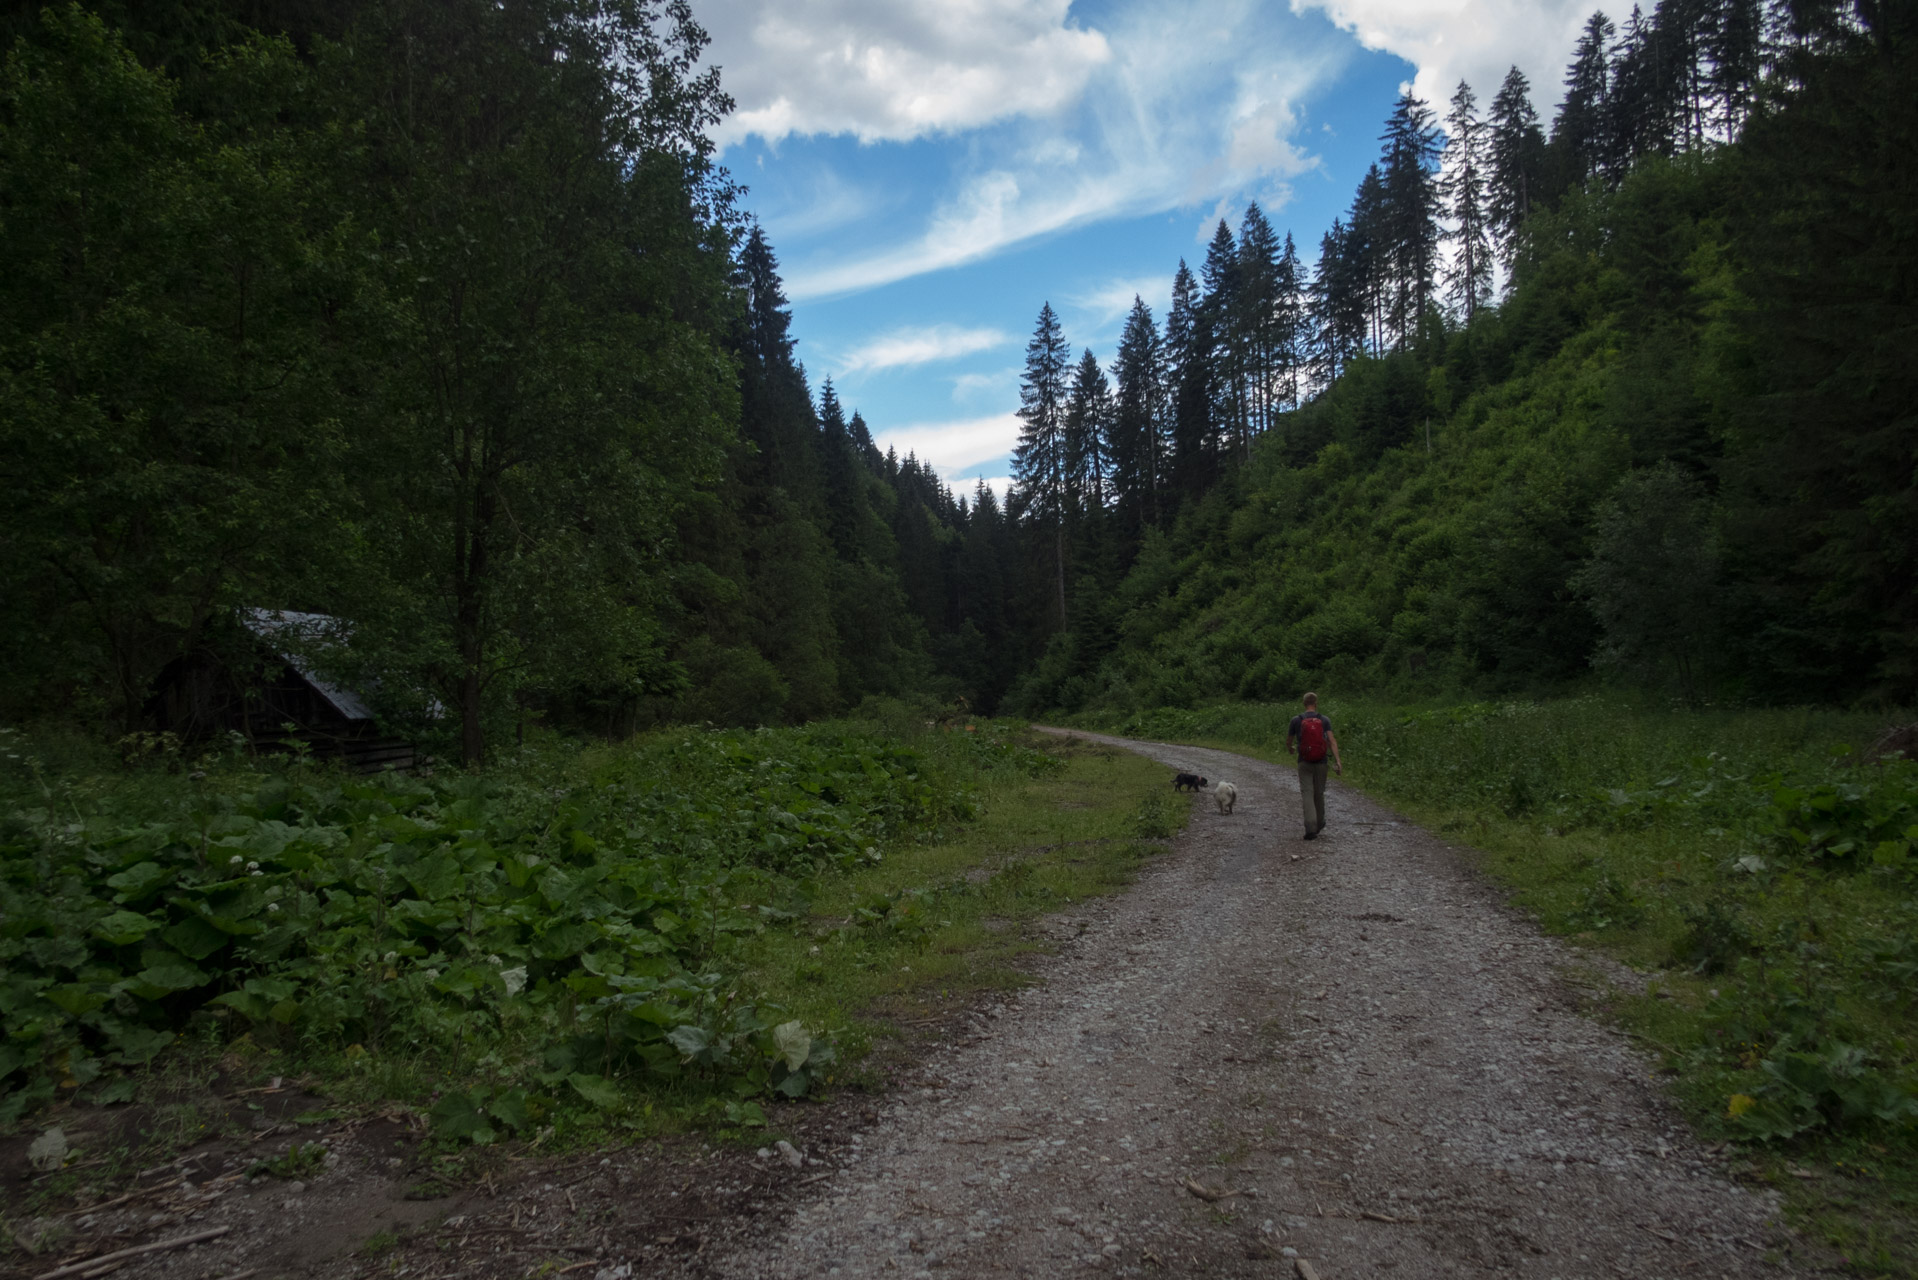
1753, 862
570, 931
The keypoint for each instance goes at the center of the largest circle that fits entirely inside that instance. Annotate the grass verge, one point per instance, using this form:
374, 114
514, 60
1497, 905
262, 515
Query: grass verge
934, 925
1751, 864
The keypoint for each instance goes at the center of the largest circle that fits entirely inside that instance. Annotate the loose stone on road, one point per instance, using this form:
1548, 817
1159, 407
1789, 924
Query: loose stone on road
1346, 1052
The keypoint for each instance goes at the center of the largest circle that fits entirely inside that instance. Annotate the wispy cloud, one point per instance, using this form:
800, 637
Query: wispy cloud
920, 346
1111, 301
826, 203
1001, 385
1148, 133
953, 448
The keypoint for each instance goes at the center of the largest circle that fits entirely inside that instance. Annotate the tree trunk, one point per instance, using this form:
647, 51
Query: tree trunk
1059, 562
469, 623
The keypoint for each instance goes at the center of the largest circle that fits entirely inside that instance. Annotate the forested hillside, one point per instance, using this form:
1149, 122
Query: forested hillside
1679, 448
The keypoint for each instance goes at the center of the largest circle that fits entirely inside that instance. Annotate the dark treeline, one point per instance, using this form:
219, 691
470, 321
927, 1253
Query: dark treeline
1678, 446
437, 318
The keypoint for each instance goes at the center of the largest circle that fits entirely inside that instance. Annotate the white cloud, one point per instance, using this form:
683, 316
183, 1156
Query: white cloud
952, 448
891, 70
1150, 133
1001, 385
921, 346
1472, 40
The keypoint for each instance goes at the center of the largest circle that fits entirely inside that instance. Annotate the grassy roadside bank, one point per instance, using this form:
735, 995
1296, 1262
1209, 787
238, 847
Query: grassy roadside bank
585, 944
1750, 863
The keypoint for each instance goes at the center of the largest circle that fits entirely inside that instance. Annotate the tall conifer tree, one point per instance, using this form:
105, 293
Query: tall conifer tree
1470, 273
1366, 258
1220, 320
1087, 424
1189, 378
1258, 320
1516, 148
1290, 331
1411, 208
1580, 134
1039, 462
1138, 422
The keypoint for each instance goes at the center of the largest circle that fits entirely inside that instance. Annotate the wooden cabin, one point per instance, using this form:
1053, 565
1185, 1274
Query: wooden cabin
271, 692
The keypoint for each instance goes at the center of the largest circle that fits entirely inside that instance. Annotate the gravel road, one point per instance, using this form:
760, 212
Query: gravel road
1382, 1065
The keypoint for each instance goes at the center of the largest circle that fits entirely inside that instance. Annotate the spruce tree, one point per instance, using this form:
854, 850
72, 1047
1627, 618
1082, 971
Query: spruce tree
1635, 109
1735, 44
1258, 320
846, 511
1516, 148
1580, 141
1410, 222
1219, 312
1412, 196
1470, 273
1087, 424
1189, 377
1138, 421
1367, 260
1039, 461
1339, 310
1290, 327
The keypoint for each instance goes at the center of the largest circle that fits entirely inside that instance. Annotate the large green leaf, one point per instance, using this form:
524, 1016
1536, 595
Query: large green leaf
173, 975
597, 1090
140, 880
436, 876
194, 938
124, 927
794, 1043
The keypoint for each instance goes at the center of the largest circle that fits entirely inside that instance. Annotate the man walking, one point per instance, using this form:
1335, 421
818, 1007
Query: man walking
1308, 737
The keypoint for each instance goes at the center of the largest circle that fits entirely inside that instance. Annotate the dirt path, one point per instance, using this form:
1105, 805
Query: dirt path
1351, 1033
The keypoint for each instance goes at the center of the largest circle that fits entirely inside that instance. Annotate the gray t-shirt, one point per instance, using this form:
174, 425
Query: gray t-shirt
1296, 728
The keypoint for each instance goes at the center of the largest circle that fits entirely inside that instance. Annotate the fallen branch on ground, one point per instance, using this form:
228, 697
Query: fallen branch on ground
91, 1264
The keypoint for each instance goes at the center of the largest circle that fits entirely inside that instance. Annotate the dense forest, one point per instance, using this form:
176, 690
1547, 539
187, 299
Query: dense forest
440, 319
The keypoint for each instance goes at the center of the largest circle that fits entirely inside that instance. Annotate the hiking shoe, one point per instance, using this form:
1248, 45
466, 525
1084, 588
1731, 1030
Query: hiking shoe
1311, 835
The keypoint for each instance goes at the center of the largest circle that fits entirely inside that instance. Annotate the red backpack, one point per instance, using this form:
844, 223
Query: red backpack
1312, 738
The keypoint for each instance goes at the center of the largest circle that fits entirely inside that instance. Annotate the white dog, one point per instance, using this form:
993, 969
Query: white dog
1225, 795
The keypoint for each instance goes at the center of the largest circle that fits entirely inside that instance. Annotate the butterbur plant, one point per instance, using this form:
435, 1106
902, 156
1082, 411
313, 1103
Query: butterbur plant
1853, 824
436, 915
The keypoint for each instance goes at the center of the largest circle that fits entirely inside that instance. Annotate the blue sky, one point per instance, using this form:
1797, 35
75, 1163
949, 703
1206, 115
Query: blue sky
931, 171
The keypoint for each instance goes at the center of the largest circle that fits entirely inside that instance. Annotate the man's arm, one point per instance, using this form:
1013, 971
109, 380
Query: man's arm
1337, 763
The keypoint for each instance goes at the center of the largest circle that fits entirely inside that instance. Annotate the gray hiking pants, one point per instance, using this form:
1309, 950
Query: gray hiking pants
1312, 794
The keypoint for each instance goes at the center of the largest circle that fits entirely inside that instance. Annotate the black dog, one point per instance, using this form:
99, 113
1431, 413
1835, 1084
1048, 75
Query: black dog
1188, 782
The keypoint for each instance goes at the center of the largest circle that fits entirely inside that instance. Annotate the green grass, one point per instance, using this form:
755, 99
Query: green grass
933, 925
582, 944
1747, 862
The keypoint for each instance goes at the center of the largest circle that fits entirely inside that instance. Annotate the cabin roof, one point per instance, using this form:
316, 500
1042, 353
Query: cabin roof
294, 635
